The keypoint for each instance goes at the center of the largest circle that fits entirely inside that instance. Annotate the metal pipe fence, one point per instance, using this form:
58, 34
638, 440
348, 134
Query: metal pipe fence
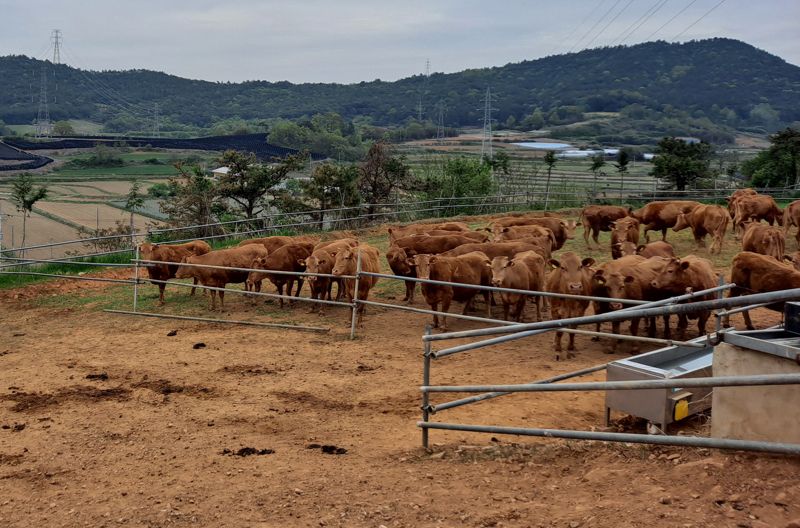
365, 213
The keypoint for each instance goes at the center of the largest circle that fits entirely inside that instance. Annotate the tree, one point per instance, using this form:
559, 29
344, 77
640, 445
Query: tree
460, 176
248, 181
382, 174
598, 162
63, 128
193, 199
134, 200
681, 163
623, 158
549, 160
332, 186
779, 164
24, 196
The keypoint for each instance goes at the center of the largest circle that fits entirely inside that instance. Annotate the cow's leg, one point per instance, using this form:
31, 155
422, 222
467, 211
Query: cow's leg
557, 344
701, 323
194, 283
299, 286
445, 308
748, 323
700, 240
435, 308
595, 235
667, 329
571, 345
213, 300
487, 300
280, 292
634, 333
520, 308
538, 308
615, 342
647, 233
683, 324
161, 288
222, 300
506, 309
664, 234
586, 230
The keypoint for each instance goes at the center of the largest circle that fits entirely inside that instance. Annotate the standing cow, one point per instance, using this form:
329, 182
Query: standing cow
169, 253
660, 216
524, 272
596, 218
573, 276
347, 264
764, 239
623, 230
705, 220
677, 276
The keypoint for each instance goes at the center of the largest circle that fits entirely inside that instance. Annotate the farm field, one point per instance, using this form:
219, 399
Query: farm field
116, 401
85, 214
40, 230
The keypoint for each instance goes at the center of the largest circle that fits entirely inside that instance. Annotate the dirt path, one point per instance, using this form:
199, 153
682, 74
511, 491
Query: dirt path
109, 421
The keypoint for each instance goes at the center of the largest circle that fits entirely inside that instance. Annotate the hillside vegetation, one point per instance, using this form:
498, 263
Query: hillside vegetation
707, 88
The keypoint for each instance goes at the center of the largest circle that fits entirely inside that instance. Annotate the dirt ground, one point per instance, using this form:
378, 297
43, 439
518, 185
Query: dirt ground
110, 420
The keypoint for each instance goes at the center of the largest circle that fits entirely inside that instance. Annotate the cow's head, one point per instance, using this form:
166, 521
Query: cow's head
422, 263
572, 271
681, 223
397, 258
499, 265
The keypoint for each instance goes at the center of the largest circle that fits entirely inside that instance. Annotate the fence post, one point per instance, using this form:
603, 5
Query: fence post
136, 280
355, 295
426, 378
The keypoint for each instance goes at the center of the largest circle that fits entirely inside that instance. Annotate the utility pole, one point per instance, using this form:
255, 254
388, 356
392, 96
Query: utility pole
56, 37
424, 89
1, 230
43, 116
486, 141
440, 123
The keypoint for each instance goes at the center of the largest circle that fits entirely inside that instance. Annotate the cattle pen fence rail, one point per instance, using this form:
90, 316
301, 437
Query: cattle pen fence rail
664, 307
363, 216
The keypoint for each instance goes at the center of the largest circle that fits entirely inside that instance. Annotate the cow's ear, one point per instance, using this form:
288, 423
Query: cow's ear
302, 262
554, 263
684, 265
505, 230
611, 226
510, 264
410, 252
788, 258
433, 259
410, 262
598, 277
640, 248
629, 279
588, 261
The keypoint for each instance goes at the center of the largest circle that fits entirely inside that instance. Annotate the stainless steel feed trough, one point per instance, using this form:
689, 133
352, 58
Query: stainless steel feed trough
661, 406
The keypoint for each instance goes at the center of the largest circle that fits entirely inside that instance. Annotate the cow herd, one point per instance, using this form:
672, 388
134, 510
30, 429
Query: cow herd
514, 252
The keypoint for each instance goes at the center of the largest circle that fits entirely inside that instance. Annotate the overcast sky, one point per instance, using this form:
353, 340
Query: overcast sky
355, 40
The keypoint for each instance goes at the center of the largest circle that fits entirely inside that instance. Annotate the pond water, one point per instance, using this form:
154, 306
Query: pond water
543, 146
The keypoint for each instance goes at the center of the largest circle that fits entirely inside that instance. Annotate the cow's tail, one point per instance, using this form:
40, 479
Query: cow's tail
788, 219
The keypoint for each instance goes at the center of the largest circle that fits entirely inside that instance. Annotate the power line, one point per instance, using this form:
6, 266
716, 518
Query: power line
609, 23
582, 23
595, 25
622, 37
676, 37
665, 24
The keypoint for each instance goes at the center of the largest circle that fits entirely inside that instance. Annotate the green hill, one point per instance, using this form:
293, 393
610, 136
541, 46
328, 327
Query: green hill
712, 85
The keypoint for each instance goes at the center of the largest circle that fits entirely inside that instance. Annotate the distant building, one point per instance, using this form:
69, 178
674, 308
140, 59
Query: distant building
220, 172
689, 140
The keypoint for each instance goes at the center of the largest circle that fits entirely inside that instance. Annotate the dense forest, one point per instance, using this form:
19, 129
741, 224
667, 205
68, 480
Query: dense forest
707, 88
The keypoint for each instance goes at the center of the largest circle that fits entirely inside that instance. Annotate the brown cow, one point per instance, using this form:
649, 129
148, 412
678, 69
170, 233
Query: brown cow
632, 280
737, 194
563, 229
238, 257
676, 276
623, 230
653, 249
320, 261
756, 273
528, 231
758, 207
596, 218
524, 272
791, 217
398, 262
431, 245
499, 249
274, 242
397, 232
660, 216
470, 268
476, 236
333, 246
764, 239
169, 253
705, 220
572, 276
290, 257
347, 264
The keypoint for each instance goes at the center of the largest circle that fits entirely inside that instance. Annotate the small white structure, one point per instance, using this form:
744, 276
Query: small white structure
220, 172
